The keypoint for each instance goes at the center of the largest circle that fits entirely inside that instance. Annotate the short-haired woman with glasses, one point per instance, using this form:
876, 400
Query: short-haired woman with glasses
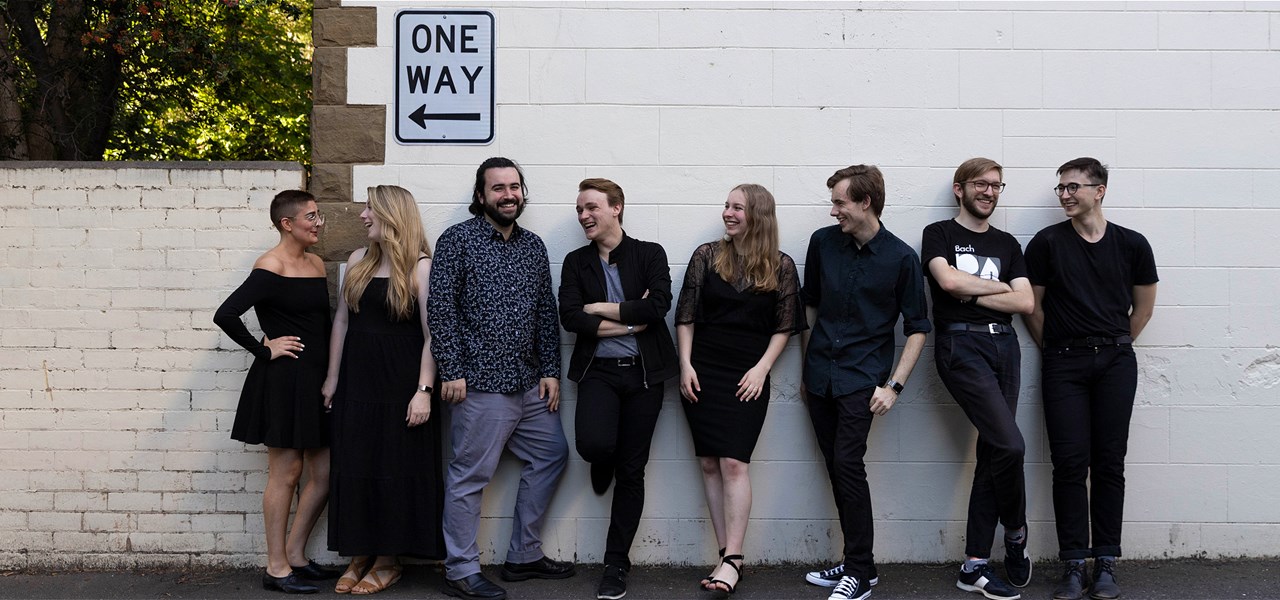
280, 404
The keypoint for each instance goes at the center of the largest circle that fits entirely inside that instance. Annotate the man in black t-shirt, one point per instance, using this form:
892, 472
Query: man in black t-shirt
978, 280
1095, 289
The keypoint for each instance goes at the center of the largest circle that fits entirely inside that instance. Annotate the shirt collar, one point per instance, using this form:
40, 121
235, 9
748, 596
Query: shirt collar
872, 244
493, 232
617, 253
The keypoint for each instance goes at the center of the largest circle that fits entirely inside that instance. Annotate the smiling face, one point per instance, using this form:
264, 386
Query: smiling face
1085, 200
735, 215
305, 224
372, 223
597, 218
503, 196
850, 215
979, 204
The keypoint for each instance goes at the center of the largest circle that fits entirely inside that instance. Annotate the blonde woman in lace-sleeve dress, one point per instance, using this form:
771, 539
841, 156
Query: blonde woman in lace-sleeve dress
739, 305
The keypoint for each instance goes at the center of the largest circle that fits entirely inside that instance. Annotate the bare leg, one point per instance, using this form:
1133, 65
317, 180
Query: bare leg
713, 486
310, 503
284, 468
737, 513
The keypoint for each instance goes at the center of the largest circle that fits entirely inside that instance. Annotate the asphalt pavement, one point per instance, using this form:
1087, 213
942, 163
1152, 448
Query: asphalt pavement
1182, 579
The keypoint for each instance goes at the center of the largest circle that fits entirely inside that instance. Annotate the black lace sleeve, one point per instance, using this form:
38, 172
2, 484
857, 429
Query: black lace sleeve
689, 308
791, 316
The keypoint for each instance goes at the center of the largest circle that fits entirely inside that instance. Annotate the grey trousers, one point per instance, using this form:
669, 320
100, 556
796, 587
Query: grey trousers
482, 426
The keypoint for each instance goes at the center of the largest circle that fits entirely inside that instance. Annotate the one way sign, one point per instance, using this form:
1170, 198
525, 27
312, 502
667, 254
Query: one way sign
444, 77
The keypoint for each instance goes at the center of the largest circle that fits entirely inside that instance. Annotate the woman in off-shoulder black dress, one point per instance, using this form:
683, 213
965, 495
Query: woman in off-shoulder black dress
280, 403
739, 305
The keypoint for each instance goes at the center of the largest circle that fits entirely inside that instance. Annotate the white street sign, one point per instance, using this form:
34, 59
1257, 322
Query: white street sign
444, 77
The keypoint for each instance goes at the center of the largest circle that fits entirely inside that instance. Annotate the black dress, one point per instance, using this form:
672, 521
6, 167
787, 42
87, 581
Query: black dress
732, 328
386, 492
280, 402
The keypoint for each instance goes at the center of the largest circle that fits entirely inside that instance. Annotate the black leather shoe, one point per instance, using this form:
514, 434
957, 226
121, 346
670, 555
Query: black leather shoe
475, 585
315, 572
543, 568
289, 584
1073, 582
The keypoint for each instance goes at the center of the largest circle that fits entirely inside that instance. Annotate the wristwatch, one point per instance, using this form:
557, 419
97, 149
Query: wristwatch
426, 389
893, 385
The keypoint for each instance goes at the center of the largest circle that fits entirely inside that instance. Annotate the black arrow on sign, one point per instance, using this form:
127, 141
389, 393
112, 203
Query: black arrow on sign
421, 116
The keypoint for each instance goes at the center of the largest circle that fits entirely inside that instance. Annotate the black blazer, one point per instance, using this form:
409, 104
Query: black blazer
642, 266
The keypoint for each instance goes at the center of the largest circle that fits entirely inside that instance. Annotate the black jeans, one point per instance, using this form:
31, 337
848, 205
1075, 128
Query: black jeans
614, 425
841, 425
1088, 400
982, 372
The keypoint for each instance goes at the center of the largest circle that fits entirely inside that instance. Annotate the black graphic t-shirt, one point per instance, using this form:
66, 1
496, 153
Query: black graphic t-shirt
992, 254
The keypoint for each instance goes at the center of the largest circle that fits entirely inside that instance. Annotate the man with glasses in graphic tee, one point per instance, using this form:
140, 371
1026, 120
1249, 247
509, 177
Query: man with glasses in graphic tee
1095, 289
978, 280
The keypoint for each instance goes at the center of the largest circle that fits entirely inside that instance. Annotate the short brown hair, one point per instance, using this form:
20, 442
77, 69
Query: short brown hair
864, 181
286, 203
611, 191
975, 167
1091, 167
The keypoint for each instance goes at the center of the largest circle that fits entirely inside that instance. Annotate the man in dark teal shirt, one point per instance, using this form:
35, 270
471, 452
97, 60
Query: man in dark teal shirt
858, 278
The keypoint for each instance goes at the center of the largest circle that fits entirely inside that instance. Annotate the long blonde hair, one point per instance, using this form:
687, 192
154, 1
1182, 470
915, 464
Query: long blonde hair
403, 241
759, 245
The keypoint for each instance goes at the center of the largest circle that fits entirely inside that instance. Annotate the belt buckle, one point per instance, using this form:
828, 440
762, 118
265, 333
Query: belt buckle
1093, 341
627, 361
991, 328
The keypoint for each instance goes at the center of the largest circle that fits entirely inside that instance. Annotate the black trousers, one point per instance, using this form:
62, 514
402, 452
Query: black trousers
841, 425
1088, 401
614, 425
982, 372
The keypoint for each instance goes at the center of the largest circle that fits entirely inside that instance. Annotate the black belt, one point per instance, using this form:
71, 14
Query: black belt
991, 328
1088, 341
626, 361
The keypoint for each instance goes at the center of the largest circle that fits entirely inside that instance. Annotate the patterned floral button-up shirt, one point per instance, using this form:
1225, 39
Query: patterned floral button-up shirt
491, 310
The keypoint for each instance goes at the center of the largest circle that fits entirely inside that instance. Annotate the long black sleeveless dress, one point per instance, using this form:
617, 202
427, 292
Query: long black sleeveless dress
732, 328
280, 402
386, 479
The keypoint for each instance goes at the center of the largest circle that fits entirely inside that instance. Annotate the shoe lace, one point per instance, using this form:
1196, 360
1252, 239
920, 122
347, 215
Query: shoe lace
1107, 567
833, 571
846, 586
1074, 570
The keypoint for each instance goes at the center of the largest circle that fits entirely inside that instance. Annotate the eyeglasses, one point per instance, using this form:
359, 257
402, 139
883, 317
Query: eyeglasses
981, 186
1072, 188
313, 218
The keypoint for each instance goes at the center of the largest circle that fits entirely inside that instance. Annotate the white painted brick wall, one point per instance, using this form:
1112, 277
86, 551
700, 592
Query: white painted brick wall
680, 104
109, 359
109, 276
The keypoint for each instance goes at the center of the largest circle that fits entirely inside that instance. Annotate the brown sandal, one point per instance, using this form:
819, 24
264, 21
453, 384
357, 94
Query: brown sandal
353, 574
365, 588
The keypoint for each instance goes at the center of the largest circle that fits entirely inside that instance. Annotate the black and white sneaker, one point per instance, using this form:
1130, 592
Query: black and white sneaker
985, 581
831, 577
1017, 562
613, 585
851, 588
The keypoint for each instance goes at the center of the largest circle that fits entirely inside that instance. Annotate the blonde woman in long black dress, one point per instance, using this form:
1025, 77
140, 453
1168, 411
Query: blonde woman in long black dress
739, 304
387, 496
280, 403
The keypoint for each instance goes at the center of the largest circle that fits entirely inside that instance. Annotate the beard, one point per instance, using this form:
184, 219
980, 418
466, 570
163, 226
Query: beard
970, 205
502, 220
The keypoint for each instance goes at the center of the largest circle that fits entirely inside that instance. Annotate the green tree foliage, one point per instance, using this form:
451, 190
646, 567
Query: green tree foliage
155, 79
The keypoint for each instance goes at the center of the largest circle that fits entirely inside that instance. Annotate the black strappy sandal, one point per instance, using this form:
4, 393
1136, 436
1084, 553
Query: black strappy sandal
702, 585
728, 560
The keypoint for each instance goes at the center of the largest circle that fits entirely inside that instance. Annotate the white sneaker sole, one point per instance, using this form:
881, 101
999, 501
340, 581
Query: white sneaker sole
812, 577
973, 588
